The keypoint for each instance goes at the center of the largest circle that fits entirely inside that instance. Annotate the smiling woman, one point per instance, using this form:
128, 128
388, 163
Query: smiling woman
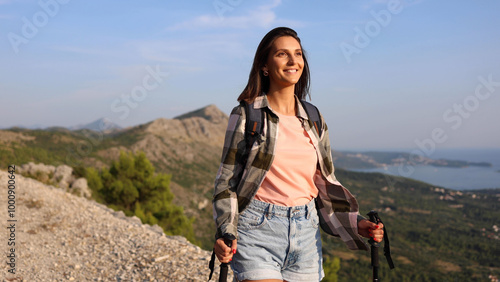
274, 189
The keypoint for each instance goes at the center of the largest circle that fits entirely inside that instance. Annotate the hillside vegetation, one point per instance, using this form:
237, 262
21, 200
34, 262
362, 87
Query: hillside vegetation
436, 234
132, 186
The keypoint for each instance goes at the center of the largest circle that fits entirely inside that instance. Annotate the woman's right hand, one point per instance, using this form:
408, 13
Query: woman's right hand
223, 252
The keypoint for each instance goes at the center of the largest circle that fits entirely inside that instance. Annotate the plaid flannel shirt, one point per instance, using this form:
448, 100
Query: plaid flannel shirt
243, 169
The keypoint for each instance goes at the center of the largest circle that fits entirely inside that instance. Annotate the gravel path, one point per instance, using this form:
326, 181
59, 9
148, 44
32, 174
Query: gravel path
62, 237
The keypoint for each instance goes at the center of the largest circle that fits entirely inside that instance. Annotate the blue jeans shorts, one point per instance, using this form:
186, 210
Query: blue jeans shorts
278, 242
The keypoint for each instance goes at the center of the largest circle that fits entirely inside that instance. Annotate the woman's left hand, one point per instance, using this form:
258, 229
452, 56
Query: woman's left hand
369, 229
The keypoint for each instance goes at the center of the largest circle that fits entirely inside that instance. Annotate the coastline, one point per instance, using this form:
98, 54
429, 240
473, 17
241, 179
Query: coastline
477, 175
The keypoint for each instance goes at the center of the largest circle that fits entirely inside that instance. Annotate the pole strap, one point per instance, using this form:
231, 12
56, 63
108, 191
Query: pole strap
387, 246
211, 265
387, 249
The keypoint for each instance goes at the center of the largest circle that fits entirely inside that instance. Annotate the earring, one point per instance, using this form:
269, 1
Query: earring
266, 73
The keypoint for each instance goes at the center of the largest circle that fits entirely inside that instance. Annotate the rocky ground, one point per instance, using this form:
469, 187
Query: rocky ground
63, 237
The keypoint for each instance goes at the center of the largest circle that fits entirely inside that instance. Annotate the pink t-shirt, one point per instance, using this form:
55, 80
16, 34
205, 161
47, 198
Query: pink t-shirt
289, 182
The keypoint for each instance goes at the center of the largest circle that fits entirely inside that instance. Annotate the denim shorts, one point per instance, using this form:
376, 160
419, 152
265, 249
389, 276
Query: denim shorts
278, 242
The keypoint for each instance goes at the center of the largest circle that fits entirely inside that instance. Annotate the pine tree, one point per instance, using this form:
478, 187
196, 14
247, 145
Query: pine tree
131, 185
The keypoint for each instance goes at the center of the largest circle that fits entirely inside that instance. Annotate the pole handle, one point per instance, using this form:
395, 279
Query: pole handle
373, 215
224, 267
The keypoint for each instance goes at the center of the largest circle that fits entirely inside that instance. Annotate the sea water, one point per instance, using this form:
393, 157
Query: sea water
467, 178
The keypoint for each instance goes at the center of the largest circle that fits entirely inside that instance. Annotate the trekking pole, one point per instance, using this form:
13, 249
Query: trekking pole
224, 267
374, 247
223, 272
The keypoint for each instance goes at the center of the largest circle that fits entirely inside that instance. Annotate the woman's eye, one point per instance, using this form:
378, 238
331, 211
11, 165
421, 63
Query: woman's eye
299, 54
282, 54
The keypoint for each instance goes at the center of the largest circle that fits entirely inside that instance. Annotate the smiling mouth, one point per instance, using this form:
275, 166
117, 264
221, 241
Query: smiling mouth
291, 71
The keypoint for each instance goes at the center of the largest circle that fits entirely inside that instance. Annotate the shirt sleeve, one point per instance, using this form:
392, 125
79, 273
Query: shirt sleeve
225, 200
337, 207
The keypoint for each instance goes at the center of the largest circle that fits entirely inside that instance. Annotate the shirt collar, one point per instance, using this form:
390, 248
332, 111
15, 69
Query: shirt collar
262, 102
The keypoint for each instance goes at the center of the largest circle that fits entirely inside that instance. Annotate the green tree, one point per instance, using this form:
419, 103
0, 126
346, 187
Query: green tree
331, 268
131, 185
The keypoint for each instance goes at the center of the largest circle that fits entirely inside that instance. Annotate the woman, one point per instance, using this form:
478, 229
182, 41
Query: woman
274, 193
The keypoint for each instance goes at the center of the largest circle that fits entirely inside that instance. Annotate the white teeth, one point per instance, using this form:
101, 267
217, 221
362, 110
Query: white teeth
291, 71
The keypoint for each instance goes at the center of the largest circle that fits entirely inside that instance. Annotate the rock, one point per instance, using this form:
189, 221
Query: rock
63, 176
135, 219
203, 204
40, 171
32, 169
81, 187
156, 228
120, 214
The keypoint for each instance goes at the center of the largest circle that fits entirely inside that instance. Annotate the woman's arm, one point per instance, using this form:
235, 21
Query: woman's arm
338, 208
225, 203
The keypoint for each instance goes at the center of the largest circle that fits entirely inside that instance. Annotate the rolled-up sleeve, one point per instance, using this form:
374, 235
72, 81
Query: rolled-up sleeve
337, 207
225, 203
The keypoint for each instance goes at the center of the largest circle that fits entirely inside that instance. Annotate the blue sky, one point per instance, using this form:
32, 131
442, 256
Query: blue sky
415, 74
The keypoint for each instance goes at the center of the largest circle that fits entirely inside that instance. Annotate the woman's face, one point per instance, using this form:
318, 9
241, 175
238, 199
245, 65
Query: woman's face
285, 62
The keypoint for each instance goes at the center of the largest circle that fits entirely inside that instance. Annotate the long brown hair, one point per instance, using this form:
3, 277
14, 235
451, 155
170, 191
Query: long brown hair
257, 82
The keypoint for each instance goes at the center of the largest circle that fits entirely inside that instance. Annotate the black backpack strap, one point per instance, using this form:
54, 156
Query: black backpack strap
254, 122
313, 114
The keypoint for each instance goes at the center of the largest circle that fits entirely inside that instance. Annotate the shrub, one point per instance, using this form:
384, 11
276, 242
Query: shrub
131, 185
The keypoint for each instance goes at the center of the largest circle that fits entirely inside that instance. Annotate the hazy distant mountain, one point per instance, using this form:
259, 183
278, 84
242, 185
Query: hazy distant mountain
102, 124
32, 127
